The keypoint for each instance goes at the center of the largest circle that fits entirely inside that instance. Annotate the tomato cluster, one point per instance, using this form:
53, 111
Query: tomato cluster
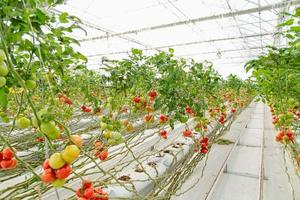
100, 151
201, 125
233, 110
7, 159
89, 192
222, 118
85, 109
3, 69
189, 111
163, 119
64, 99
57, 168
149, 118
164, 134
285, 136
152, 94
55, 176
204, 144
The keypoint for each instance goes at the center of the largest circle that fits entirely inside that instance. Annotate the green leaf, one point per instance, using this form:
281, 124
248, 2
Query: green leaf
171, 50
297, 12
290, 36
295, 28
81, 57
3, 98
63, 17
287, 23
136, 51
41, 16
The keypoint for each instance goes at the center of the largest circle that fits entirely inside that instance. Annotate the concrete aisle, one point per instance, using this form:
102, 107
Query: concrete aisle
240, 179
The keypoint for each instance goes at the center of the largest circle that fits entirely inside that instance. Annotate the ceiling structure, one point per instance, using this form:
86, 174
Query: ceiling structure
226, 32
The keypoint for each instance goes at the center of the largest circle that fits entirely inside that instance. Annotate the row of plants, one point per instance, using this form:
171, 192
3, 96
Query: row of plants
277, 76
45, 87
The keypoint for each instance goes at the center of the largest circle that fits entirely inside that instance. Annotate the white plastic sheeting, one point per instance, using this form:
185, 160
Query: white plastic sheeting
227, 41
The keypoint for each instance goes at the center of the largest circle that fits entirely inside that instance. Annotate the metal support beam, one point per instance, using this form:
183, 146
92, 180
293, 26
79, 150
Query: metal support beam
187, 44
107, 31
196, 20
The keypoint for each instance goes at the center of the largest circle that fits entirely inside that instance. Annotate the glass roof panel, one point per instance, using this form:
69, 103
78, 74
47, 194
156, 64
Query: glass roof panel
219, 32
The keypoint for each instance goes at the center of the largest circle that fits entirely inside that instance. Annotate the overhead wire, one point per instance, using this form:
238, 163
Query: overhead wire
194, 20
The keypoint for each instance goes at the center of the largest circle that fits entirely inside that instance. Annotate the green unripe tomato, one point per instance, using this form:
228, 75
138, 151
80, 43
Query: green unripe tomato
2, 81
111, 142
56, 161
42, 112
34, 122
183, 118
298, 45
2, 55
50, 130
23, 122
110, 127
103, 118
3, 69
116, 136
58, 182
5, 119
30, 84
103, 125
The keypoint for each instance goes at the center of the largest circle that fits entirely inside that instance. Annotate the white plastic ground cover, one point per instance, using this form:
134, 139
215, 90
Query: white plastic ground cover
150, 139
165, 163
113, 150
154, 140
141, 181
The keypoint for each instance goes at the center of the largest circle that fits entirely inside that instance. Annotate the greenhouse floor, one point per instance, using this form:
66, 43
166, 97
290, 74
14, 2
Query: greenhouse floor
233, 172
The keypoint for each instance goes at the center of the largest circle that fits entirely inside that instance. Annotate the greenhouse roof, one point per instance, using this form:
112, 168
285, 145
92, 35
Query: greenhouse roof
226, 32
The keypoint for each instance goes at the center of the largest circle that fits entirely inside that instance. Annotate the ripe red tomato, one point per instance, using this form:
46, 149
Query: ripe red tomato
290, 134
6, 164
204, 140
204, 150
89, 192
7, 153
187, 133
46, 164
188, 110
164, 134
152, 94
137, 99
204, 145
87, 184
103, 155
68, 101
14, 163
163, 118
79, 192
63, 172
48, 176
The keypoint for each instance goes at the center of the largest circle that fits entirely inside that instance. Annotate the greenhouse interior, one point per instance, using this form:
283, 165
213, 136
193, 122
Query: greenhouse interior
150, 100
